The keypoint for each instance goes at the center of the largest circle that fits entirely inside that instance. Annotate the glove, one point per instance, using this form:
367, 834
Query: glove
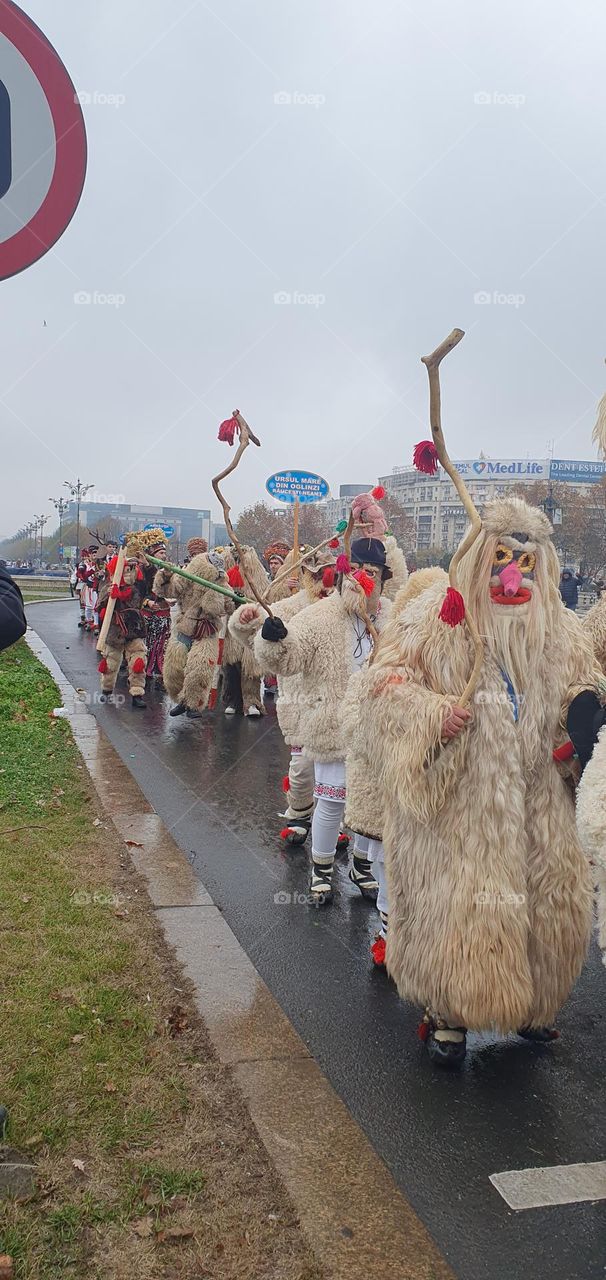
273, 629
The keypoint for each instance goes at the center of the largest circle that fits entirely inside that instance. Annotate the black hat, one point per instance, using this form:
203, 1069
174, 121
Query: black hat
370, 551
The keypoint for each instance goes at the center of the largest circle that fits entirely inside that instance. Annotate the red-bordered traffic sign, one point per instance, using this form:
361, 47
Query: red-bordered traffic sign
42, 143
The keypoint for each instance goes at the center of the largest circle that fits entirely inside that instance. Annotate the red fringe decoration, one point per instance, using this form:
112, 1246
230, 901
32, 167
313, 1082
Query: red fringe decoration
377, 951
234, 577
423, 1031
334, 542
328, 577
103, 666
343, 565
366, 582
138, 666
228, 428
565, 752
425, 457
453, 608
378, 492
286, 784
285, 833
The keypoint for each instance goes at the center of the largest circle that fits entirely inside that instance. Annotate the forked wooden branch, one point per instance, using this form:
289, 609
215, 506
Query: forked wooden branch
432, 364
111, 603
246, 435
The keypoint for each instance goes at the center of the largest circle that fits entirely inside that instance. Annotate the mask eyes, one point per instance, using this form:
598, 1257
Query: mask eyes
503, 555
527, 562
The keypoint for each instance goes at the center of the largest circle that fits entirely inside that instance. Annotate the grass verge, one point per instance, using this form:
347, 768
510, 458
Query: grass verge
148, 1164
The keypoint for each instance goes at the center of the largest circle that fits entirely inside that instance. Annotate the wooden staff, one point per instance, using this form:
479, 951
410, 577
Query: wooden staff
111, 603
432, 364
246, 435
295, 533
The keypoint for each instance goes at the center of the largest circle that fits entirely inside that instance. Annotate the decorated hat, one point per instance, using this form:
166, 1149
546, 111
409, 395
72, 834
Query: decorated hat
370, 551
323, 559
276, 551
197, 546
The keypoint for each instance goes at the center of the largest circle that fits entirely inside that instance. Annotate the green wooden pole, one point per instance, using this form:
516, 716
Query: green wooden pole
213, 586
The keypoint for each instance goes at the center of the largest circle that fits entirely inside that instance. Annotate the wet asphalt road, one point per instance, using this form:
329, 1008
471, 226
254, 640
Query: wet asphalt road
216, 784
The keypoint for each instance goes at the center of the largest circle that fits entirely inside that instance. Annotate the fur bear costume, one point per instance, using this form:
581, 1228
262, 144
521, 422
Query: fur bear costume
195, 645
489, 889
591, 822
126, 634
241, 673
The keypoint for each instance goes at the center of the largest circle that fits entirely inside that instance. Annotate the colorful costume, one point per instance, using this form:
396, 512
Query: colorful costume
489, 890
156, 612
126, 635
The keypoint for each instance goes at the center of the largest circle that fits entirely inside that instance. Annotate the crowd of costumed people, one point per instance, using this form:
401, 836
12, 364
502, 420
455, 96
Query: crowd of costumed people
445, 727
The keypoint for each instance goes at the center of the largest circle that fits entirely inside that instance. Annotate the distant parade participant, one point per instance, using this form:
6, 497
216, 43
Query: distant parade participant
242, 692
489, 890
195, 645
126, 635
156, 612
84, 573
88, 575
323, 645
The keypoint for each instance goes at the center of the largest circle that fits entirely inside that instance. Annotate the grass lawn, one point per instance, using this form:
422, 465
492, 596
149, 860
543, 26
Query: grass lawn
44, 589
148, 1164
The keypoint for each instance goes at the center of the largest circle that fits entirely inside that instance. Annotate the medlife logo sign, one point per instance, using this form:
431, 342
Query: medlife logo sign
483, 468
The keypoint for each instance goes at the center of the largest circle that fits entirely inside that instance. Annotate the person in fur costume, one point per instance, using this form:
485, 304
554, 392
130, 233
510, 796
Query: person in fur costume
156, 611
195, 645
318, 652
489, 890
241, 673
126, 635
591, 824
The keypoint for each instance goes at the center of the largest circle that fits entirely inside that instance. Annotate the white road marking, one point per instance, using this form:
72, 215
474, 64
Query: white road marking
556, 1184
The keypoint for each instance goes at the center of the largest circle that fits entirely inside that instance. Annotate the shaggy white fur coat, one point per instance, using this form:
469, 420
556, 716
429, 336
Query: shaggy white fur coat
489, 890
317, 656
594, 623
591, 822
189, 670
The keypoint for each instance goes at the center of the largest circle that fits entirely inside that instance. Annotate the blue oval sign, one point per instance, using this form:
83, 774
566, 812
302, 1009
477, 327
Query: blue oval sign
167, 529
287, 486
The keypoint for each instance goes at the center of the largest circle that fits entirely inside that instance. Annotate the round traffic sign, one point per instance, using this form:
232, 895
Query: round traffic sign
287, 486
42, 143
167, 529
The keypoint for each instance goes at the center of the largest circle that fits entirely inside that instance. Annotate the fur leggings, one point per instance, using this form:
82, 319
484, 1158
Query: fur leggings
135, 653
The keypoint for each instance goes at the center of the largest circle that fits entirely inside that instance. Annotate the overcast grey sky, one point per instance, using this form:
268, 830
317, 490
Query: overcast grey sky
427, 154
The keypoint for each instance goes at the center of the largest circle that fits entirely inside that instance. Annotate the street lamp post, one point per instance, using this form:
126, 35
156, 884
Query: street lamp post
61, 505
42, 520
78, 491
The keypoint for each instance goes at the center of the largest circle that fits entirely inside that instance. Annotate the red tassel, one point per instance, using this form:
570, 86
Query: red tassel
343, 565
285, 833
365, 581
425, 457
453, 608
334, 542
378, 492
103, 667
423, 1031
377, 950
565, 752
138, 666
328, 578
234, 577
228, 429
286, 784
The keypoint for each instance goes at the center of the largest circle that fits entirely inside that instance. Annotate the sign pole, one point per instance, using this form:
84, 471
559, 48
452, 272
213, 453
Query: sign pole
295, 535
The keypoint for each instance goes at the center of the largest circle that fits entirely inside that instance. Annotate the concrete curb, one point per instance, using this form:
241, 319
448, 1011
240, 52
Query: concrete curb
357, 1221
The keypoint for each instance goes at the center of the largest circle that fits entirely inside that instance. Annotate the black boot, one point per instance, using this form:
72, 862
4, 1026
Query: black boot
540, 1035
446, 1046
296, 832
361, 874
179, 710
193, 715
138, 702
321, 881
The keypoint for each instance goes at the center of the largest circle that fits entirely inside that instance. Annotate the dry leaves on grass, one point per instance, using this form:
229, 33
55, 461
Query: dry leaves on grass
172, 1235
79, 1165
178, 1021
133, 844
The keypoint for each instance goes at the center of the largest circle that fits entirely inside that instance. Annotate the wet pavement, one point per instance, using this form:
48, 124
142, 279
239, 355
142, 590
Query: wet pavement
216, 784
